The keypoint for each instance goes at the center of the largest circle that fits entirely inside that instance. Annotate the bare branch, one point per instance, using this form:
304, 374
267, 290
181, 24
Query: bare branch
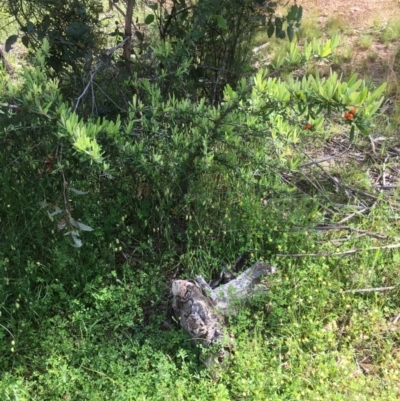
99, 64
115, 5
376, 289
345, 253
396, 319
350, 216
325, 227
325, 159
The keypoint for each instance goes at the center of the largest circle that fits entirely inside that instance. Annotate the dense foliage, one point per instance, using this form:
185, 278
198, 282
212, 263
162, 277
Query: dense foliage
99, 210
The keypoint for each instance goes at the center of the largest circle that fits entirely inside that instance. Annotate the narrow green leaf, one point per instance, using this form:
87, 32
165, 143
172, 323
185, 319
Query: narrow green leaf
378, 92
77, 242
270, 29
292, 13
84, 227
363, 129
352, 132
290, 32
278, 23
77, 191
299, 14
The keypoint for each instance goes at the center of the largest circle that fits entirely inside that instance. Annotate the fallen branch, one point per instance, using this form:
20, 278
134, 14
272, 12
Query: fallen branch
323, 160
258, 48
350, 216
345, 253
376, 289
325, 227
201, 308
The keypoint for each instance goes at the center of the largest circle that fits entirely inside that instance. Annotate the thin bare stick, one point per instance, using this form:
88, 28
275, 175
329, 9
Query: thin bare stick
376, 289
360, 191
283, 178
109, 98
326, 227
115, 5
396, 319
319, 189
325, 159
350, 216
345, 253
372, 144
216, 81
258, 48
8, 331
386, 186
99, 64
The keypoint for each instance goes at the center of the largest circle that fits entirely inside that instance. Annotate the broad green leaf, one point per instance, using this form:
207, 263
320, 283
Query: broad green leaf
30, 27
149, 19
25, 40
9, 42
221, 22
292, 13
281, 34
84, 227
139, 35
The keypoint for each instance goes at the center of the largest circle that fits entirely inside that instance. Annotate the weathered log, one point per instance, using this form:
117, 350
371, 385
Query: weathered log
201, 309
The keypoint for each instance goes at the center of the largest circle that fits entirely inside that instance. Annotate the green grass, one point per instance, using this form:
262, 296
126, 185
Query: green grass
336, 24
391, 32
310, 29
365, 41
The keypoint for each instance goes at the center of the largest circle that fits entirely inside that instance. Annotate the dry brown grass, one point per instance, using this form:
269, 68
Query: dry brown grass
361, 14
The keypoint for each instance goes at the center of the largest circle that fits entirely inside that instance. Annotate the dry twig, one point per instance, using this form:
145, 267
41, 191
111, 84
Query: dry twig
99, 64
323, 160
396, 319
325, 227
344, 253
376, 289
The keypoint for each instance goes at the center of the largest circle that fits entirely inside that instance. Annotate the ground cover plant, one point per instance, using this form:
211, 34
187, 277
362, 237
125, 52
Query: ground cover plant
115, 181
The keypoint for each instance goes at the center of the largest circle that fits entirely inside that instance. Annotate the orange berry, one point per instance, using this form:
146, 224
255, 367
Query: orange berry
348, 116
352, 111
308, 126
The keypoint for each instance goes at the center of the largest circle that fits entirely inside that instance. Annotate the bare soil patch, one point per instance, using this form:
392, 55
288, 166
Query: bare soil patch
361, 14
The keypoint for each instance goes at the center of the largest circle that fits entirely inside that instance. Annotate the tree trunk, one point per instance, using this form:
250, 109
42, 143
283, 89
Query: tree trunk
130, 4
4, 61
